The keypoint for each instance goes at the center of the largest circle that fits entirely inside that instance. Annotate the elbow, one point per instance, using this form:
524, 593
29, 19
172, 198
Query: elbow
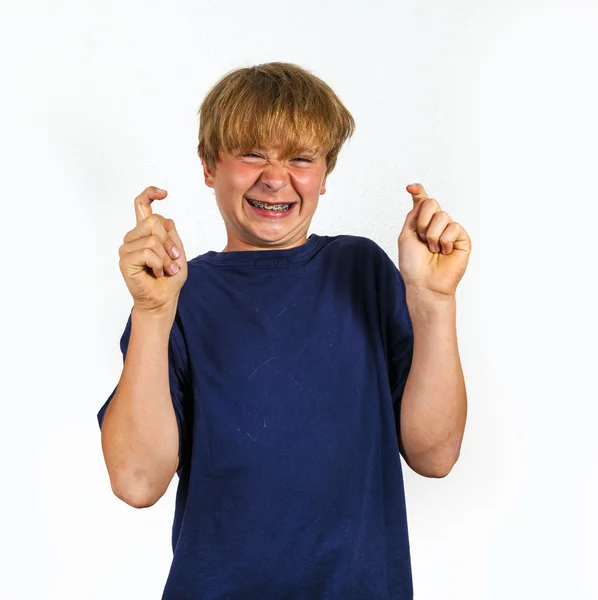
135, 500
139, 485
437, 473
136, 494
432, 465
440, 467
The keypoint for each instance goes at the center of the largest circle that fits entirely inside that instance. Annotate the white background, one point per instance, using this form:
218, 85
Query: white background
491, 105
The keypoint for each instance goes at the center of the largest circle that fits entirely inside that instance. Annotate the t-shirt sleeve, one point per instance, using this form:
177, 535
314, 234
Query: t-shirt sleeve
178, 379
398, 330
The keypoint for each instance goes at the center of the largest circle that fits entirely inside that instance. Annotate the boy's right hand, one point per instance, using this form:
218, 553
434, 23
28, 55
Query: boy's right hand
148, 262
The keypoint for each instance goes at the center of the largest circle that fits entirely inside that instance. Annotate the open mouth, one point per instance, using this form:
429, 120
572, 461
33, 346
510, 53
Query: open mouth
274, 208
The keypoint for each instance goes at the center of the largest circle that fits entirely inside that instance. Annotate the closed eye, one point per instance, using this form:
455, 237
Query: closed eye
297, 158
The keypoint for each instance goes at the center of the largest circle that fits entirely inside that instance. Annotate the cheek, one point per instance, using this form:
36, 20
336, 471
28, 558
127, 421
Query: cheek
244, 178
307, 183
236, 185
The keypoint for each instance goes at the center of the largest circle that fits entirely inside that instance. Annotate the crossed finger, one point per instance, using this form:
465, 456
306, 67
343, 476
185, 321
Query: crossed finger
433, 225
143, 202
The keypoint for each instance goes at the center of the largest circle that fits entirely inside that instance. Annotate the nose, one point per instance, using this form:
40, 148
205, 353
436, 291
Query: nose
274, 176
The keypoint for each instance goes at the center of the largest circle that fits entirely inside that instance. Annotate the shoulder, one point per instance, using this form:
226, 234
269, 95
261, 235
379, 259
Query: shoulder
357, 244
352, 241
364, 250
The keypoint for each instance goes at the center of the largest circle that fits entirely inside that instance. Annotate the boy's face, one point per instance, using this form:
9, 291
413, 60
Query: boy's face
259, 176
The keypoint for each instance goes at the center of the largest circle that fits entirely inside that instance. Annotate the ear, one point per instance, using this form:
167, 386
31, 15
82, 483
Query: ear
323, 186
207, 173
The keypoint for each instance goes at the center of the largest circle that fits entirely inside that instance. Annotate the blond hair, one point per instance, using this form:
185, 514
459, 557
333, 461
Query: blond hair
273, 105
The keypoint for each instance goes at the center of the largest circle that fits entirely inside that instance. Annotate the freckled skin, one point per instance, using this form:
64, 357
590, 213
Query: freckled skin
262, 176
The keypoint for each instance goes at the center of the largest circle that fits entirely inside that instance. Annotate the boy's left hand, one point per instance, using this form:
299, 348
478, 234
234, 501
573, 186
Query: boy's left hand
433, 249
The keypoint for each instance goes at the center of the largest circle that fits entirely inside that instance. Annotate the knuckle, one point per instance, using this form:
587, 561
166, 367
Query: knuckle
143, 194
157, 222
155, 244
148, 255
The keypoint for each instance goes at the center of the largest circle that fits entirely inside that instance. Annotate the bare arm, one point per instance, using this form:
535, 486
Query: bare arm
140, 438
434, 404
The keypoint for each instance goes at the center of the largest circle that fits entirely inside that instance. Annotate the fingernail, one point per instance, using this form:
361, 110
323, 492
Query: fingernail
433, 248
175, 252
422, 237
160, 190
174, 268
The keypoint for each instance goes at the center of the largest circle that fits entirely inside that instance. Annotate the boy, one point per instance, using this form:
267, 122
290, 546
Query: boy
283, 378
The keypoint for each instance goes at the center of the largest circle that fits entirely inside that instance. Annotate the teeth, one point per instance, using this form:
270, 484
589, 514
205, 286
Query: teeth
274, 207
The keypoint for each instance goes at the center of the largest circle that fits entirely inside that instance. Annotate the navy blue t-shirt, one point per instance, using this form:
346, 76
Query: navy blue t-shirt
287, 369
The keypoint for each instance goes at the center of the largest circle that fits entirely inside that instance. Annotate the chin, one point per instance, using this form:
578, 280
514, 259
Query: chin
268, 238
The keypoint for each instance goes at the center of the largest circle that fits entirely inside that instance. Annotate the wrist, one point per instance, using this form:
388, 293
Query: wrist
163, 315
424, 296
426, 306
